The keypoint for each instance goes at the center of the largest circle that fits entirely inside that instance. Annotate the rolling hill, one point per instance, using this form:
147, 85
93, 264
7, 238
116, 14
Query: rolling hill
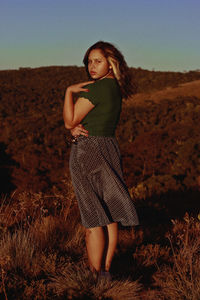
188, 89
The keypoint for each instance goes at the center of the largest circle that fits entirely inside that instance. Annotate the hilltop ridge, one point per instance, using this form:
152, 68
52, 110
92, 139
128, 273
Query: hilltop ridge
191, 88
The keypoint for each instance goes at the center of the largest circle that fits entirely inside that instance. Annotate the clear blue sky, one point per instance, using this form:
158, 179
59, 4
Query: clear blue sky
152, 34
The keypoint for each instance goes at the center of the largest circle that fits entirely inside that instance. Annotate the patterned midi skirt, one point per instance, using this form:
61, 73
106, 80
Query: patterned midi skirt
96, 172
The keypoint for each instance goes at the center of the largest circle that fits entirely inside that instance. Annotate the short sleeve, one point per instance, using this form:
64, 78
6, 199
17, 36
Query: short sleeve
91, 95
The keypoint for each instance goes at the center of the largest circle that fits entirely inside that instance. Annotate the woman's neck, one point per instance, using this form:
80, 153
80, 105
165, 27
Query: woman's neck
108, 75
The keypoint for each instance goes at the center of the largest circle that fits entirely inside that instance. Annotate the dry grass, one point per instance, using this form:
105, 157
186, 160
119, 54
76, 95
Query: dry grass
18, 252
76, 281
44, 257
183, 273
7, 213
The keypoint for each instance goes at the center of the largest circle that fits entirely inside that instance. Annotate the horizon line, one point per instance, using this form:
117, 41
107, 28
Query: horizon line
65, 66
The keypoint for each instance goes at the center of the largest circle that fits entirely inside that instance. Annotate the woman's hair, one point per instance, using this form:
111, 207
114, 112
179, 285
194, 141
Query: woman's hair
120, 69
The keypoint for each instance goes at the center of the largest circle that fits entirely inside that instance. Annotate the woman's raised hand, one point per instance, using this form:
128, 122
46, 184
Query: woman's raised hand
79, 130
78, 87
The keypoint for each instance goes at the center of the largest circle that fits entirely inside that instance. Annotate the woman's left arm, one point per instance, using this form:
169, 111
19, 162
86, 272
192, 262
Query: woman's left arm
74, 113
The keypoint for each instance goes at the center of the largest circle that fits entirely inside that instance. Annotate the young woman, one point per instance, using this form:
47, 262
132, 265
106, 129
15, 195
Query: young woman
95, 161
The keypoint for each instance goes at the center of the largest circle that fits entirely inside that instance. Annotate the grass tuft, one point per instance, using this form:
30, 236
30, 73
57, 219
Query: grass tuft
180, 279
18, 253
76, 281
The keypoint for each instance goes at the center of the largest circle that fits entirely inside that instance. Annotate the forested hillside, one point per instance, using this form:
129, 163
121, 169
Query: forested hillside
42, 243
33, 133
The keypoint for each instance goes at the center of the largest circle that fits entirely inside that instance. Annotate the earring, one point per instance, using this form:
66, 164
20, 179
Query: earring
110, 68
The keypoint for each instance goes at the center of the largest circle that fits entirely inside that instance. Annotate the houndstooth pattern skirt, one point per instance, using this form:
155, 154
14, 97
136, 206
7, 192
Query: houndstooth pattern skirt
102, 195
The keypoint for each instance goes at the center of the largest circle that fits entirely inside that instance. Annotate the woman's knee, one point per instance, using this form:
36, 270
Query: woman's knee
96, 232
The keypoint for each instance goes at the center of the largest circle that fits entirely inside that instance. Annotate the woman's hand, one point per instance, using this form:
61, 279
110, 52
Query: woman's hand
79, 130
78, 87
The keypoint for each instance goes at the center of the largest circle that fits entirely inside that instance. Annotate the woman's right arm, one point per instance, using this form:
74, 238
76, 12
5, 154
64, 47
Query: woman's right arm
73, 114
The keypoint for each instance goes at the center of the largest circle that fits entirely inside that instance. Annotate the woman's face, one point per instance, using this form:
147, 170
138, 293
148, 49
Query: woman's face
98, 65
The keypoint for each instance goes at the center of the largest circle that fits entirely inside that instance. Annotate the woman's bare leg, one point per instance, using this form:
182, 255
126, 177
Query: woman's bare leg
95, 243
112, 244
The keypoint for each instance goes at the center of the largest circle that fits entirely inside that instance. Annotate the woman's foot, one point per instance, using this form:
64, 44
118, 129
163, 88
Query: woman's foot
105, 275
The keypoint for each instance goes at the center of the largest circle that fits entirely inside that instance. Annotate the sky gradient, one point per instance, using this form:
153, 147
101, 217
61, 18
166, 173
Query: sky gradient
163, 35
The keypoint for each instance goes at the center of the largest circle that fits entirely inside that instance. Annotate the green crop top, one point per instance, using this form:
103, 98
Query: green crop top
105, 94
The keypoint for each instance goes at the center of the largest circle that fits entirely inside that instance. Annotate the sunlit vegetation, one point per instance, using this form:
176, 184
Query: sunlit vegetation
42, 247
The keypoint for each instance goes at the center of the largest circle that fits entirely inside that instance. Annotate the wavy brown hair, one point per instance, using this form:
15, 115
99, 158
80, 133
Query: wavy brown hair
120, 69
